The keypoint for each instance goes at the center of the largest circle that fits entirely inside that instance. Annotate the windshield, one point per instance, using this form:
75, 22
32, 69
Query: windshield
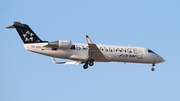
150, 51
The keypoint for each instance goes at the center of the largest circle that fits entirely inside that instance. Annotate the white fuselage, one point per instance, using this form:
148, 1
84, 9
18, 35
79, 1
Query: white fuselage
85, 54
79, 52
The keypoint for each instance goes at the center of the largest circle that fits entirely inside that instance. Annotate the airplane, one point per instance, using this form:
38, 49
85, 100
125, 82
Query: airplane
85, 54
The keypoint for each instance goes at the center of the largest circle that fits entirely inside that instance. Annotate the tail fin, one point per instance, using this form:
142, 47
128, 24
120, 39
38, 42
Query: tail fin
27, 35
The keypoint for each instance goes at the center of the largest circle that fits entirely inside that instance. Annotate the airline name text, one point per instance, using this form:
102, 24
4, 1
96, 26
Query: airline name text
112, 49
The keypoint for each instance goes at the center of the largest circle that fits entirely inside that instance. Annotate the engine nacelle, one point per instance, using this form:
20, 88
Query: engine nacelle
64, 44
61, 44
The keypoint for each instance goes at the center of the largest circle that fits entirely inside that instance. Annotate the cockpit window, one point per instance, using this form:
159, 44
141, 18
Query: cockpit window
150, 51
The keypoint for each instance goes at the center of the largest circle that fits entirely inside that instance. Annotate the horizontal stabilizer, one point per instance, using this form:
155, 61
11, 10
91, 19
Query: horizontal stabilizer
16, 24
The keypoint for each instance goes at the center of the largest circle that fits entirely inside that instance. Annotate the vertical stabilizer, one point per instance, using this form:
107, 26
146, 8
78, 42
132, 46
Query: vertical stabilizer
26, 33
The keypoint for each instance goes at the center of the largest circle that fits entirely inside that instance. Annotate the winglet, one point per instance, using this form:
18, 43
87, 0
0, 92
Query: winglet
88, 40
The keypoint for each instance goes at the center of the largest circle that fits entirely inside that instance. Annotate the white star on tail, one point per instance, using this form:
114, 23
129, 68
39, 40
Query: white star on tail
28, 36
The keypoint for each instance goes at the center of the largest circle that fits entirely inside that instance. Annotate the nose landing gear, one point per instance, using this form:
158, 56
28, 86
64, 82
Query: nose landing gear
153, 69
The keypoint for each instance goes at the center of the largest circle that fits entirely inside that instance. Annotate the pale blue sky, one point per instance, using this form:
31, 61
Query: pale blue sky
155, 24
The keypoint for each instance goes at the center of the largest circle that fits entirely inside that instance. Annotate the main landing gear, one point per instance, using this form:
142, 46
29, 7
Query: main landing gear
89, 62
153, 69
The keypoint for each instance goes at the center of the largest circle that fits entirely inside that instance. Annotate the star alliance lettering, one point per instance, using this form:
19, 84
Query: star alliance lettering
110, 49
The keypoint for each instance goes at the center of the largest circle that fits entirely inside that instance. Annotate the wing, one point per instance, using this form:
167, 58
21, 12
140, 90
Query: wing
69, 63
94, 52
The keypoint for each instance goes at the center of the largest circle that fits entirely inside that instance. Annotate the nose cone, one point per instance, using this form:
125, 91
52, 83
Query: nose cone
160, 59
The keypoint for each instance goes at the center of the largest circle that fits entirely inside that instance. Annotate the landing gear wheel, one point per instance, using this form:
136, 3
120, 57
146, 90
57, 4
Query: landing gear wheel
85, 66
153, 69
91, 63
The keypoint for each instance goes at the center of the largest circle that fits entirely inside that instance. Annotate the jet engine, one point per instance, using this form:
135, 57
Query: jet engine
61, 44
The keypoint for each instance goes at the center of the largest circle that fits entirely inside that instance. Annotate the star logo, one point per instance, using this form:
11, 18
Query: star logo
28, 36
